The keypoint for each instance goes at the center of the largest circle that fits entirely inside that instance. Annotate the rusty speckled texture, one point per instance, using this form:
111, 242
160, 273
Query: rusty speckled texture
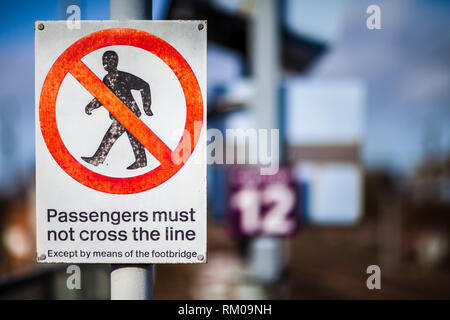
121, 83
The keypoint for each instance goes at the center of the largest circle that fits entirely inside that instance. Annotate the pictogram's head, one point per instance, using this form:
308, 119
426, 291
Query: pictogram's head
110, 61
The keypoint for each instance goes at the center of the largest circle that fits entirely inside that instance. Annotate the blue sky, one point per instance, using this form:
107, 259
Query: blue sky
17, 17
406, 69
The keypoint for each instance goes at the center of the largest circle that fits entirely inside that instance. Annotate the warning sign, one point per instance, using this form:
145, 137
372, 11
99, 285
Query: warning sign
121, 142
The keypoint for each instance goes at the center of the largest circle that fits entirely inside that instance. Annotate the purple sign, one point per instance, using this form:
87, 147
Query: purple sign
262, 204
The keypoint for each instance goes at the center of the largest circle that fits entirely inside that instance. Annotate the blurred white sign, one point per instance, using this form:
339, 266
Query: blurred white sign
324, 112
334, 192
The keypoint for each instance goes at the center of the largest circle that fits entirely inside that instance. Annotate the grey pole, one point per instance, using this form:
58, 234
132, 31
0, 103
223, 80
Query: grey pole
130, 9
131, 282
265, 63
266, 254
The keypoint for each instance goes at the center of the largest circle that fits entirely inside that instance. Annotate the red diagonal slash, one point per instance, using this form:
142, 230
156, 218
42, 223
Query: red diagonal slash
121, 112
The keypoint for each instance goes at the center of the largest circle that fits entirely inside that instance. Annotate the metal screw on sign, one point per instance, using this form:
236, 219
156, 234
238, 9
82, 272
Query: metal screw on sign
200, 26
41, 26
42, 257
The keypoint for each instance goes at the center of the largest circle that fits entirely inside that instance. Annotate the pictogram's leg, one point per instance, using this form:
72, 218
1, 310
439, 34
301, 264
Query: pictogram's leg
139, 153
113, 133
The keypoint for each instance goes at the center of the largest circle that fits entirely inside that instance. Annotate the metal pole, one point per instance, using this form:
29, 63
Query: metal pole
266, 253
265, 45
131, 282
130, 9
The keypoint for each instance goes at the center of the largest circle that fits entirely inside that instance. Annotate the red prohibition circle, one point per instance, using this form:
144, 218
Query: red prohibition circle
70, 62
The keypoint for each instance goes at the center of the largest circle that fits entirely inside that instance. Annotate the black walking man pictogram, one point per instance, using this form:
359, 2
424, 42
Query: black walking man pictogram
121, 83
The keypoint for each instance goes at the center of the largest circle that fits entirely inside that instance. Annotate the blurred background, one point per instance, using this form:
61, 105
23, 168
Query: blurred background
363, 108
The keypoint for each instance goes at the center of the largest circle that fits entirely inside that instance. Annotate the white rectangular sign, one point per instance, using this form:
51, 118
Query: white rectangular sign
121, 141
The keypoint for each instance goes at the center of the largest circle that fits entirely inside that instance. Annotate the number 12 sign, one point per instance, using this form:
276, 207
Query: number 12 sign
262, 204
